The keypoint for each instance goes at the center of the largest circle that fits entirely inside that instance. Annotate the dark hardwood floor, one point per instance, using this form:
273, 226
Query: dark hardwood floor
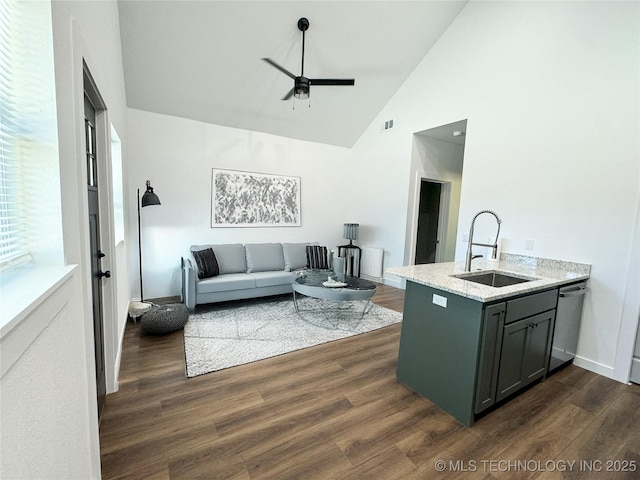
336, 411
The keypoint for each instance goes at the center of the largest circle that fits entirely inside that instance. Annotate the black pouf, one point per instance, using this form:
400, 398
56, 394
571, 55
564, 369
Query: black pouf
164, 318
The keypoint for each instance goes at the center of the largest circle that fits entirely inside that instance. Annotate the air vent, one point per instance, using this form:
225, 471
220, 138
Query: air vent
387, 125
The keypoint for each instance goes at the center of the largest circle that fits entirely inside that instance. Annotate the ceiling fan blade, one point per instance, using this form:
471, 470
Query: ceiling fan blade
282, 69
289, 95
332, 81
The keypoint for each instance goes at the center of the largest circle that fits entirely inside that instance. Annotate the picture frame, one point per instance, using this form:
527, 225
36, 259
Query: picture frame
249, 199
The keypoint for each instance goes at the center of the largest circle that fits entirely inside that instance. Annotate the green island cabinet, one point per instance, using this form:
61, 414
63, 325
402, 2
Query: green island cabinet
466, 355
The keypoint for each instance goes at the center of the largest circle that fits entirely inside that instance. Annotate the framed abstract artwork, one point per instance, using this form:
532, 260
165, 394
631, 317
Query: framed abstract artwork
245, 199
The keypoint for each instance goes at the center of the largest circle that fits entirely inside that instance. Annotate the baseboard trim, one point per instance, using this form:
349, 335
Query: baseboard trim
635, 370
393, 282
164, 300
595, 367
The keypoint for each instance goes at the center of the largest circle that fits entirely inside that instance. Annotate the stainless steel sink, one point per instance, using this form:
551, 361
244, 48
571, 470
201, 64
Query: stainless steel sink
493, 278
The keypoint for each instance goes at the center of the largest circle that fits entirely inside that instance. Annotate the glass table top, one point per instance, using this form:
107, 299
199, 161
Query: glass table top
316, 278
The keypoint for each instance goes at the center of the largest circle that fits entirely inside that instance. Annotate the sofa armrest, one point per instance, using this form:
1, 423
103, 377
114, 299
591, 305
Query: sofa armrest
188, 283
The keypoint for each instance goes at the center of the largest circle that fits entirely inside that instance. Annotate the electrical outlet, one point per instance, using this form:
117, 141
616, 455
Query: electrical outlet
465, 237
440, 300
528, 245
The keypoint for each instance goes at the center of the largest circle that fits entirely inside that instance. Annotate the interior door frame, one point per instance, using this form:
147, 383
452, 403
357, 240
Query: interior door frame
443, 216
107, 236
634, 375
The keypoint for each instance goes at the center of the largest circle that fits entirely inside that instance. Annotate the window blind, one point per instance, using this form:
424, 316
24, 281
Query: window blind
29, 166
11, 246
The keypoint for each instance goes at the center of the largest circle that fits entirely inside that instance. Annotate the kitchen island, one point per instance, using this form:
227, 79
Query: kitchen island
468, 347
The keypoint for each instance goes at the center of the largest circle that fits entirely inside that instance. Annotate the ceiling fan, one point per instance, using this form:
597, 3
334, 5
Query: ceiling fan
301, 83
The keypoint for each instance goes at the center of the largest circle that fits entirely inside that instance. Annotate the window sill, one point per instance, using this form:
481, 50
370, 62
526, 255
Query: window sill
24, 289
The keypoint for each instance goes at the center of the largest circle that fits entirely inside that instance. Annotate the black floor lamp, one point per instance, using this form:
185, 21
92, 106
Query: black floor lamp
149, 198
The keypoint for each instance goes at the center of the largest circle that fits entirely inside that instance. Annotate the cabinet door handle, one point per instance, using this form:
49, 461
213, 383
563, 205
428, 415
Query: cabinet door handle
574, 293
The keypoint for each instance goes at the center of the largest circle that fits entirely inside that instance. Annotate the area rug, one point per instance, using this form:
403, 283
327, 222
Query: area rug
234, 333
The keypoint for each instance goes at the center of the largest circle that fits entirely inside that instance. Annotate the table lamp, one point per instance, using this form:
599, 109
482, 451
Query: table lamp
351, 231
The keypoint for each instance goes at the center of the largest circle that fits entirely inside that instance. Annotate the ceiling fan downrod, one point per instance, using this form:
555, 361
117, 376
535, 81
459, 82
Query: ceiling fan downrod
303, 26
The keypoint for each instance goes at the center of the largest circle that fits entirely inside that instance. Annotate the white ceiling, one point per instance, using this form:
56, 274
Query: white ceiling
202, 60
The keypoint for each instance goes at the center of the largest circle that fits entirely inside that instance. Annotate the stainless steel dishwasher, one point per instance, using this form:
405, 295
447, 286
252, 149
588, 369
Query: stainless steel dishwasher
567, 328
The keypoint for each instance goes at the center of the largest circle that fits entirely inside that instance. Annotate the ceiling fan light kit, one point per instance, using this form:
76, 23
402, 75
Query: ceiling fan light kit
301, 88
301, 84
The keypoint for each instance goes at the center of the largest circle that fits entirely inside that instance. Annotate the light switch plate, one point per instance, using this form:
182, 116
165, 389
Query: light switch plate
440, 300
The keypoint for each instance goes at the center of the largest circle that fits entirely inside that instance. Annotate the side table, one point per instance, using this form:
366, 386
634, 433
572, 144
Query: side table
351, 254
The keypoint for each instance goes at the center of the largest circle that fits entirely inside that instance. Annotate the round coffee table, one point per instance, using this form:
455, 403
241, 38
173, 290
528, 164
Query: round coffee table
313, 284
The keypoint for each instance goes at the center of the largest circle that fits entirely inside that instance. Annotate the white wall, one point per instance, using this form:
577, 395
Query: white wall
49, 423
177, 156
550, 91
49, 394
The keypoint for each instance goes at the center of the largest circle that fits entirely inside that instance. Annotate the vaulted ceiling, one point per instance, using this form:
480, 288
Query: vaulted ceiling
202, 60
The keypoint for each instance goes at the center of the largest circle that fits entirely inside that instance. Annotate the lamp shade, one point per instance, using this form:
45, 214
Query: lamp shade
149, 198
351, 231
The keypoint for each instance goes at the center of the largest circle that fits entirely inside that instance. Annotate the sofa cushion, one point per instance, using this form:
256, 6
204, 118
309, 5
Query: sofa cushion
317, 257
206, 262
225, 283
295, 256
231, 258
264, 257
273, 278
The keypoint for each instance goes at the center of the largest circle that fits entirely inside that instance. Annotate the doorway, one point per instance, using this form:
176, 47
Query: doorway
427, 238
92, 104
437, 160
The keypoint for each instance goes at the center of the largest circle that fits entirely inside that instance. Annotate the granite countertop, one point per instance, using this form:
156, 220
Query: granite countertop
548, 273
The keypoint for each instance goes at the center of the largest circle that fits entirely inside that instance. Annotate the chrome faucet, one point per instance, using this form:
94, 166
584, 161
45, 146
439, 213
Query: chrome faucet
470, 256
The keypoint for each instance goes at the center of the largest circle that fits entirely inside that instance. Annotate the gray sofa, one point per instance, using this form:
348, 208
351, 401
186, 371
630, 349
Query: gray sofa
243, 271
